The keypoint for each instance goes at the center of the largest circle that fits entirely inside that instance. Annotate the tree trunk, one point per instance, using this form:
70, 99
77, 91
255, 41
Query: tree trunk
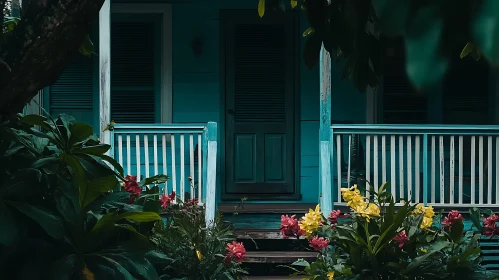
41, 45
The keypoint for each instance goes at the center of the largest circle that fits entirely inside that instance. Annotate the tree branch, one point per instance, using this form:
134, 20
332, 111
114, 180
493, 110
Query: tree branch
40, 46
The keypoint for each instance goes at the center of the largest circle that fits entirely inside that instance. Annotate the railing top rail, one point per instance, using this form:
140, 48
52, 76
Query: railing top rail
383, 129
158, 128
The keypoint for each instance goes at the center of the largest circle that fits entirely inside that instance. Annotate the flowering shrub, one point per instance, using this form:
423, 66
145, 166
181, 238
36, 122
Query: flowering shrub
196, 252
376, 241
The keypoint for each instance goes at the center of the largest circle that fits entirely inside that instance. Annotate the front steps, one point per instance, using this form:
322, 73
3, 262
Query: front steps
257, 226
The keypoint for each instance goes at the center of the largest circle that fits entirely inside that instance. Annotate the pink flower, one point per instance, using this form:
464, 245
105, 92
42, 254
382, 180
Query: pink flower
318, 243
334, 216
165, 201
401, 238
132, 187
451, 219
490, 226
236, 252
289, 226
172, 196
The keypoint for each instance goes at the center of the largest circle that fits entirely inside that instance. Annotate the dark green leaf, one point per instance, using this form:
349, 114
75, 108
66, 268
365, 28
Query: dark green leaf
36, 120
475, 218
8, 228
158, 179
23, 182
107, 199
48, 221
456, 231
46, 161
97, 187
79, 132
94, 150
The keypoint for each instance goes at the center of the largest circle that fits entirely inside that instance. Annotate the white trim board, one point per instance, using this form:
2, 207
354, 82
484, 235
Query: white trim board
166, 49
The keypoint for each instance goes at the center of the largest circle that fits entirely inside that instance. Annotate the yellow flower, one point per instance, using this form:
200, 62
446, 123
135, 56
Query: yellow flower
367, 211
420, 209
423, 250
330, 275
355, 201
350, 193
200, 256
87, 274
426, 223
311, 221
428, 212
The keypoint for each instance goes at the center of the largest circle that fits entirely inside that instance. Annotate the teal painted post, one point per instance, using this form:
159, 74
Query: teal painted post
211, 176
325, 144
204, 165
425, 169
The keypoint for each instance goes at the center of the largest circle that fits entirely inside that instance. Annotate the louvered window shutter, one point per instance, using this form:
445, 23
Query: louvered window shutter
135, 72
260, 72
401, 103
72, 92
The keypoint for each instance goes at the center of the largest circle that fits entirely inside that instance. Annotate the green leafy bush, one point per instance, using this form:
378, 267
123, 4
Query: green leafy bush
379, 242
196, 252
59, 218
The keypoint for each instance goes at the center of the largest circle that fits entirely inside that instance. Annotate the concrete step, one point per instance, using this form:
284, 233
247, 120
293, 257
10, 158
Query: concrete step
278, 257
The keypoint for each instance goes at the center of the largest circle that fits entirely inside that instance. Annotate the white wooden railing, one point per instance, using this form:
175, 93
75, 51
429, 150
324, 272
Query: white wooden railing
186, 153
455, 166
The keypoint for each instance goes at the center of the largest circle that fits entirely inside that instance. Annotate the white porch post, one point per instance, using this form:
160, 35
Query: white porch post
105, 71
325, 145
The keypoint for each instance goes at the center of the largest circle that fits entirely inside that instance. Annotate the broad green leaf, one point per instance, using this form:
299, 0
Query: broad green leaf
99, 158
79, 176
46, 161
261, 8
138, 266
23, 182
96, 150
110, 219
48, 221
472, 49
79, 132
475, 218
8, 228
36, 120
485, 27
67, 202
436, 247
107, 199
456, 231
424, 65
158, 179
87, 46
301, 262
97, 187
106, 268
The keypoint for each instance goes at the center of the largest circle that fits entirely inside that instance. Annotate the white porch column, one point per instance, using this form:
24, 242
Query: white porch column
325, 144
105, 71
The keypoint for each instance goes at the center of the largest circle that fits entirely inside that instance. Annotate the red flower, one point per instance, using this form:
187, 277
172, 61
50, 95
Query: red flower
490, 226
236, 252
172, 195
451, 219
318, 243
132, 187
401, 238
289, 226
165, 201
334, 216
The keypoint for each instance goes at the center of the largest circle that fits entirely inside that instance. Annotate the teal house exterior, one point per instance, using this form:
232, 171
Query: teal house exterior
221, 100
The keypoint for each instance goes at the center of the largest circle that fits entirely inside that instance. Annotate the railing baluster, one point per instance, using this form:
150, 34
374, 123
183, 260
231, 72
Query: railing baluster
338, 164
442, 170
349, 159
375, 159
425, 169
473, 162
128, 155
489, 170
146, 155
174, 167
368, 165
137, 156
383, 158
191, 164
433, 167
401, 167
392, 165
497, 170
461, 170
200, 169
409, 168
417, 152
155, 151
120, 149
480, 169
165, 162
182, 167
451, 171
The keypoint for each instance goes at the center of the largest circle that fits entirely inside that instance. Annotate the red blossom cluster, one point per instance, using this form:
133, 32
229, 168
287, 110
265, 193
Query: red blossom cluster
132, 186
334, 216
401, 238
290, 227
235, 252
490, 226
318, 243
451, 219
166, 200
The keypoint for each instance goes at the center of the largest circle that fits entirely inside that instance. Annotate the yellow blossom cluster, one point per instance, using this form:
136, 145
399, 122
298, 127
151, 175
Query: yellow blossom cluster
359, 204
311, 221
427, 213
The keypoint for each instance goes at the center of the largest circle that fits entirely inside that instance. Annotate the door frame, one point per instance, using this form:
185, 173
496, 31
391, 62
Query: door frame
224, 15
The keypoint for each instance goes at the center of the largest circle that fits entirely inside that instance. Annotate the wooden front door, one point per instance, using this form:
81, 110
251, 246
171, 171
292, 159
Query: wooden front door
260, 77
